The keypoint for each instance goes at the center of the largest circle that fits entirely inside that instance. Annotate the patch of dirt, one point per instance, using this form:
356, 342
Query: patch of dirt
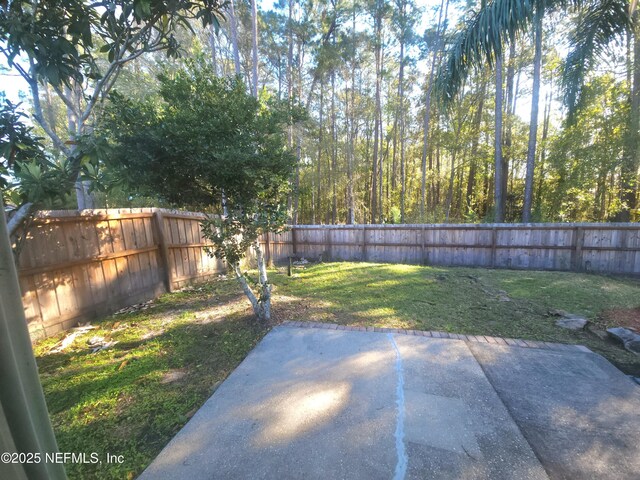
174, 375
152, 334
622, 317
300, 309
125, 400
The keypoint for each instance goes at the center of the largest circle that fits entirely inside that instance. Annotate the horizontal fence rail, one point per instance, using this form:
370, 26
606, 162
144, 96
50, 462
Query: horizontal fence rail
75, 266
596, 247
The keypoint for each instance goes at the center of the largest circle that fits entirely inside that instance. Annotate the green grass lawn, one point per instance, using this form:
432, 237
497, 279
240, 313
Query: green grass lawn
132, 398
460, 300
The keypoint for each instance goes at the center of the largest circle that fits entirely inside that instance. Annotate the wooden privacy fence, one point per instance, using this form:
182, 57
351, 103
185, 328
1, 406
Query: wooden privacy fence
597, 247
77, 265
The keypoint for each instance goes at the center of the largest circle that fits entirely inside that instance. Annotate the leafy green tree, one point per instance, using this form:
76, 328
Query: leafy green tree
587, 153
29, 178
209, 144
79, 49
499, 21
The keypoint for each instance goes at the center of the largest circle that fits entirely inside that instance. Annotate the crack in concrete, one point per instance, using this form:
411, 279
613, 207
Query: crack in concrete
401, 465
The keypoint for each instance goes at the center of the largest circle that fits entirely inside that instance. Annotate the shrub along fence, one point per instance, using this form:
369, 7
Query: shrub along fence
78, 265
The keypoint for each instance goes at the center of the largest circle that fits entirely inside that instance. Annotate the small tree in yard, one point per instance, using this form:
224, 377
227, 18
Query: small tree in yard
206, 143
78, 49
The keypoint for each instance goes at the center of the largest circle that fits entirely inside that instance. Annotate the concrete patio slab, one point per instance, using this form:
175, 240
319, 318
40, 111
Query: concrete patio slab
579, 413
331, 404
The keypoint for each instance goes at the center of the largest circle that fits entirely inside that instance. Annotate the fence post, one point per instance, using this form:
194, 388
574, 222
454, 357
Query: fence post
494, 242
423, 253
158, 226
578, 242
364, 243
294, 241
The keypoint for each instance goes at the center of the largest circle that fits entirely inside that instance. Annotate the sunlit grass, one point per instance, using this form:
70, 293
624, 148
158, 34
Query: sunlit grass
119, 401
459, 300
132, 398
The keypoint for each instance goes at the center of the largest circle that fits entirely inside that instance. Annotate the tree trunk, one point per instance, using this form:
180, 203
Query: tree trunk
450, 189
533, 125
292, 193
334, 151
402, 115
260, 304
234, 36
507, 156
543, 144
212, 45
498, 181
254, 48
318, 167
376, 128
381, 166
444, 7
629, 170
352, 133
471, 181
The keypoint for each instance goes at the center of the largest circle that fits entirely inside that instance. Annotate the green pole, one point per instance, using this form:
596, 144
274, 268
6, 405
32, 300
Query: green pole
25, 427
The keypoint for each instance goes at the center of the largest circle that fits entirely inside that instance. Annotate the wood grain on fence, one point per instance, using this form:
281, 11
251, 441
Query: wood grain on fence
611, 248
77, 265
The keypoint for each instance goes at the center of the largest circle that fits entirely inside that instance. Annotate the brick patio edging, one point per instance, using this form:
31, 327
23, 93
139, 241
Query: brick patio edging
455, 336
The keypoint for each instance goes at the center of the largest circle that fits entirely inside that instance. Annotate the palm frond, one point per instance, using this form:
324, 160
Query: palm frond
599, 23
481, 41
484, 35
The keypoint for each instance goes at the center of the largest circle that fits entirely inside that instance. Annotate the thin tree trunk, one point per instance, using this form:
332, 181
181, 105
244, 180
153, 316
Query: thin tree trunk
334, 151
427, 103
352, 133
381, 166
290, 103
234, 36
507, 157
498, 196
436, 190
533, 125
471, 181
543, 144
212, 45
450, 189
376, 128
296, 183
320, 140
402, 116
254, 48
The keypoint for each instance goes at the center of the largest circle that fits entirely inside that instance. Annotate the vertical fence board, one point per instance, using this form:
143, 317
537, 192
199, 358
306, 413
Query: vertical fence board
73, 266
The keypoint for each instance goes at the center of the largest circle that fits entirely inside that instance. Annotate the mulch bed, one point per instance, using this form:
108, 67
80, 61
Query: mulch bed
623, 317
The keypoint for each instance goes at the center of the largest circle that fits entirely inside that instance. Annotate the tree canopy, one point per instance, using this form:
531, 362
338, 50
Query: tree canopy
201, 138
205, 142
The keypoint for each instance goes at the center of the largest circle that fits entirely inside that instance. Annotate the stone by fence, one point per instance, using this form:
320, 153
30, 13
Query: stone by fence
78, 265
